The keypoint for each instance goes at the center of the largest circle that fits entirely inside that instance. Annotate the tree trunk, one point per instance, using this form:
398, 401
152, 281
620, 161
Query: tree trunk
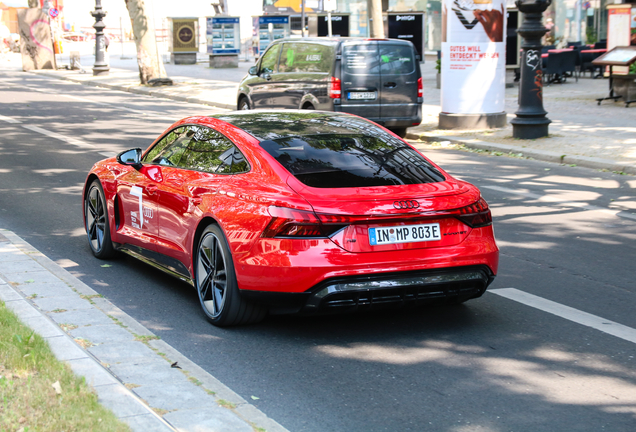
150, 65
376, 24
34, 4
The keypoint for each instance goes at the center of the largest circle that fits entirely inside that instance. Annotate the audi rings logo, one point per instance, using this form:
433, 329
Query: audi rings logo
407, 204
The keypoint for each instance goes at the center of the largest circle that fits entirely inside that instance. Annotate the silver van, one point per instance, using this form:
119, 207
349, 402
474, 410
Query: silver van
379, 79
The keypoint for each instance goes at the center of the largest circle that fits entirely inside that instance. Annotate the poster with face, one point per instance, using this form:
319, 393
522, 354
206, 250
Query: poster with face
473, 56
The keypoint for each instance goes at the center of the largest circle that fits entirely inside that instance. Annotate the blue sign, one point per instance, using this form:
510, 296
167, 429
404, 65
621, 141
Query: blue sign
224, 20
273, 20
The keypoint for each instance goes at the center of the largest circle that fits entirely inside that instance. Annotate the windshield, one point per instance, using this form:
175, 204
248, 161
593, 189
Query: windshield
342, 161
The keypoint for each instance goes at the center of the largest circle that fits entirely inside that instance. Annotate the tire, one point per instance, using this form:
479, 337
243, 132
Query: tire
243, 104
401, 132
216, 283
97, 227
309, 107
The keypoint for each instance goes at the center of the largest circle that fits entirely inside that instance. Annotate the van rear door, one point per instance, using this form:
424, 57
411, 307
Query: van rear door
360, 79
399, 73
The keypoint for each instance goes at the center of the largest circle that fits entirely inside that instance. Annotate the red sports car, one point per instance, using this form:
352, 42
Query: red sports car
292, 212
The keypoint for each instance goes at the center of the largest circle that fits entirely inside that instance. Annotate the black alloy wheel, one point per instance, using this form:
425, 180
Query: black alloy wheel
97, 228
216, 283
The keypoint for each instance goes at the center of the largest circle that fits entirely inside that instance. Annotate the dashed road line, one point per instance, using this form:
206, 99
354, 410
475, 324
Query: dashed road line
606, 326
69, 140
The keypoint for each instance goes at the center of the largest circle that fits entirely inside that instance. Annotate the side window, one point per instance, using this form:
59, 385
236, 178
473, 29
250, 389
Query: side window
304, 57
210, 151
169, 149
270, 58
396, 59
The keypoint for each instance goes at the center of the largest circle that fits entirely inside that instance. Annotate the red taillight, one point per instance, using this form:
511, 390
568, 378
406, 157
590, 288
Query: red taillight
288, 222
476, 215
335, 90
420, 88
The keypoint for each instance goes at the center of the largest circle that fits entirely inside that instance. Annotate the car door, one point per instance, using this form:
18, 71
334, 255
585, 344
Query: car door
264, 87
208, 160
398, 78
360, 78
137, 193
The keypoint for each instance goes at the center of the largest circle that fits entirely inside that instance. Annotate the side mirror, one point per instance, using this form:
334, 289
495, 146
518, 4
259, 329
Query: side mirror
253, 70
130, 157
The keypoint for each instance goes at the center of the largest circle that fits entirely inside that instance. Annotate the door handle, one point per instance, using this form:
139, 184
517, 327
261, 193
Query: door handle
390, 84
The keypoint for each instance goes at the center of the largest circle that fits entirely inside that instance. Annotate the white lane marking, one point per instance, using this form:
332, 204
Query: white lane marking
549, 199
66, 139
108, 154
9, 119
569, 313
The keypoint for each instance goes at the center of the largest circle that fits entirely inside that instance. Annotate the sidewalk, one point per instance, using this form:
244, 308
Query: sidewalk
581, 133
128, 366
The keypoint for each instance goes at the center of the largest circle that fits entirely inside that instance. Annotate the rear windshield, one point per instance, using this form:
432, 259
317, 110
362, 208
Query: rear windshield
361, 59
344, 161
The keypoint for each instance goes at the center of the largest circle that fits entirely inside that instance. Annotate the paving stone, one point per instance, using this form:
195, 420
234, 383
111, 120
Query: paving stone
7, 293
119, 400
148, 372
147, 423
103, 333
8, 252
40, 276
215, 419
94, 373
162, 395
81, 317
23, 309
43, 326
65, 349
120, 352
70, 302
21, 266
38, 289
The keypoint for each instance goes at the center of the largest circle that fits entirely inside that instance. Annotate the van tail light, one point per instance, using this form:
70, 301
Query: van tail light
335, 89
476, 215
420, 87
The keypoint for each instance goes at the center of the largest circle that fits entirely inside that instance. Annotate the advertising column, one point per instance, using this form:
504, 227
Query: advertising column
473, 64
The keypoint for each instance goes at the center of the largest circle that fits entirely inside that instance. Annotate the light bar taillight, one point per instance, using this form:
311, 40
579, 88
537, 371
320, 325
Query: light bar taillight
335, 89
420, 87
476, 215
293, 223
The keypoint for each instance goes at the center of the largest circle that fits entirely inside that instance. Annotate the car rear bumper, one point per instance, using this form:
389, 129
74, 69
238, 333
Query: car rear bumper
368, 292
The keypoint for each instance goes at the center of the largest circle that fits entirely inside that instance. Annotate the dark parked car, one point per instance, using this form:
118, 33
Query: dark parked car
376, 79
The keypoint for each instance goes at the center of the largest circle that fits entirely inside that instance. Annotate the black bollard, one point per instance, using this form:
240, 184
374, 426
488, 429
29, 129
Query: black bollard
100, 67
531, 121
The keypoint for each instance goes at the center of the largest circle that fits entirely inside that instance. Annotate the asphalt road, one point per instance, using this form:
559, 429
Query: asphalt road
504, 362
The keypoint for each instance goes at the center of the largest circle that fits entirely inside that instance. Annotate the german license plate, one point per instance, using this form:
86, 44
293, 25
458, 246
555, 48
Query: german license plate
361, 95
404, 234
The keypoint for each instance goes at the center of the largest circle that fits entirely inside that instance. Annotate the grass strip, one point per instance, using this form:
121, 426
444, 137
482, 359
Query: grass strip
40, 393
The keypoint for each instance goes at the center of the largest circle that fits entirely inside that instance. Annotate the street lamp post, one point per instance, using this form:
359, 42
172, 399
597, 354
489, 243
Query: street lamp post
531, 121
100, 67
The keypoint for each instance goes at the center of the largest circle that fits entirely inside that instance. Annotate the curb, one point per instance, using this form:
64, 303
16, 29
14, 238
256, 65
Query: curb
542, 155
130, 405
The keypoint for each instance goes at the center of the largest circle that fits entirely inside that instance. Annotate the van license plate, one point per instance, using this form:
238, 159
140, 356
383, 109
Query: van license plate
404, 234
361, 95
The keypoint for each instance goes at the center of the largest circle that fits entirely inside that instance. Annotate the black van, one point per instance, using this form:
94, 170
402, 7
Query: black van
379, 79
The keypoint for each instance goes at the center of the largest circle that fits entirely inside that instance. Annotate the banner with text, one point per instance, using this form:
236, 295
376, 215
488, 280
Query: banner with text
473, 56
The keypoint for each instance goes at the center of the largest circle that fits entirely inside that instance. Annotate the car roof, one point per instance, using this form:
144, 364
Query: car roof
333, 40
274, 124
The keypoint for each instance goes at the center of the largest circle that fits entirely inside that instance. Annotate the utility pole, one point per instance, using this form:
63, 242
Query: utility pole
100, 67
376, 24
